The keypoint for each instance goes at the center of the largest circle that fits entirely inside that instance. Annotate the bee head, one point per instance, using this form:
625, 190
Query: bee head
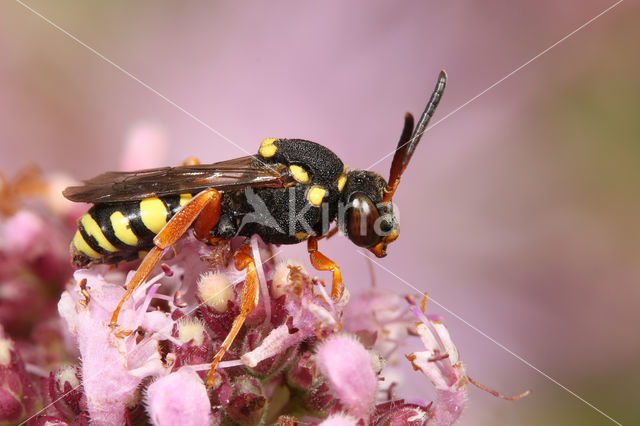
365, 218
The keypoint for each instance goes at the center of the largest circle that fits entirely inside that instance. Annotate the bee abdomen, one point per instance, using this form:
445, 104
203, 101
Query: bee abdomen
117, 232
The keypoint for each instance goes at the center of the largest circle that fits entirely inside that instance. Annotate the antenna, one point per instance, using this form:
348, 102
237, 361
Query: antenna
407, 145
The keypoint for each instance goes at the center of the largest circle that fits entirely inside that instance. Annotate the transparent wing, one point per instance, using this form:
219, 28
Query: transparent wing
112, 187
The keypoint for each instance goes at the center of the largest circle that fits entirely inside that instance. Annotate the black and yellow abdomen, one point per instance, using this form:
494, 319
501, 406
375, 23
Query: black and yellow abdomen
117, 232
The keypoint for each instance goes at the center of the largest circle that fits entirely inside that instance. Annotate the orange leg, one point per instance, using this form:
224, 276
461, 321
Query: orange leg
333, 231
207, 219
323, 263
191, 161
250, 295
169, 235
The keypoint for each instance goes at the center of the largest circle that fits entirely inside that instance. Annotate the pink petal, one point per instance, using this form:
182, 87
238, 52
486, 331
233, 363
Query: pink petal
179, 398
347, 365
339, 420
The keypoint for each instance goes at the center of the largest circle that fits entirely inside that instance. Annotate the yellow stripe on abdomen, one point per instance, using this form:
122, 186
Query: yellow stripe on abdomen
80, 245
122, 229
153, 214
92, 229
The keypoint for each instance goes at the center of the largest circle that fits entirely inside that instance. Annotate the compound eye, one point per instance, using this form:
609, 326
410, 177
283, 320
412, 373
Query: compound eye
361, 219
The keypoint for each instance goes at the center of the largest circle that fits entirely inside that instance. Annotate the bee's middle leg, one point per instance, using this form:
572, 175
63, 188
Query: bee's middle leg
250, 296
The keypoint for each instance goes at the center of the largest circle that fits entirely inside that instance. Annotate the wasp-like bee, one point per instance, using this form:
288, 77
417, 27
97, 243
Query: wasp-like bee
290, 192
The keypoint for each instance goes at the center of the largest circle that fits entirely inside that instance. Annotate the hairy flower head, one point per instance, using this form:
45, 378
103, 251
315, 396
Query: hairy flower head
347, 365
178, 398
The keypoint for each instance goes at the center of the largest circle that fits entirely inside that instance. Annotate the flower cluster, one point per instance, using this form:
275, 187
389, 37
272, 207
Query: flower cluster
300, 356
35, 227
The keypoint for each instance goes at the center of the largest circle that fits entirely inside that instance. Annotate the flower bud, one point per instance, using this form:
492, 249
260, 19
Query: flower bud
247, 408
11, 409
321, 400
17, 394
22, 235
191, 330
222, 389
248, 405
303, 373
196, 347
65, 390
400, 413
178, 398
215, 290
347, 365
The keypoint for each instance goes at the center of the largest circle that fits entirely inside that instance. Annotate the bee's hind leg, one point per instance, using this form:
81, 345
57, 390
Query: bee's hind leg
206, 202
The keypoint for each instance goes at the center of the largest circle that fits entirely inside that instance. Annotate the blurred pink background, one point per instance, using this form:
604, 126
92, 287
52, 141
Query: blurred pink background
519, 212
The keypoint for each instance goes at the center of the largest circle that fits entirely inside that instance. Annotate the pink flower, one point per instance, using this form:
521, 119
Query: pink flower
179, 398
382, 312
33, 238
347, 365
339, 420
440, 362
18, 396
112, 366
309, 312
194, 345
286, 360
22, 234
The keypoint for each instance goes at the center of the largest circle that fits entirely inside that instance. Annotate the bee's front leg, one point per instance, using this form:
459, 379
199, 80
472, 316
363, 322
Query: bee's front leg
323, 263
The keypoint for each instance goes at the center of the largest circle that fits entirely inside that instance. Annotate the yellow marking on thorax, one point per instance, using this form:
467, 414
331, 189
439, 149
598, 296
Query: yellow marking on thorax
122, 229
342, 180
184, 199
153, 214
301, 235
268, 148
316, 194
92, 229
299, 173
81, 245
